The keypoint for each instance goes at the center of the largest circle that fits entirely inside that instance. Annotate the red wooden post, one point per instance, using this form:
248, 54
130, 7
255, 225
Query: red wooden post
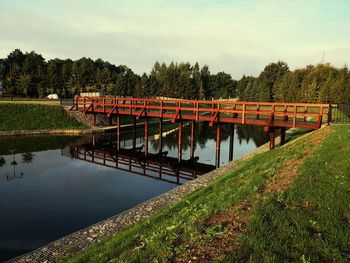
134, 132
145, 140
294, 116
160, 135
118, 132
272, 138
192, 139
179, 143
104, 104
93, 119
243, 113
218, 138
283, 135
130, 111
231, 146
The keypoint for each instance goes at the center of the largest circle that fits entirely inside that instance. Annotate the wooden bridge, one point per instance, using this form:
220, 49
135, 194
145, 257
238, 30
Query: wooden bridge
272, 116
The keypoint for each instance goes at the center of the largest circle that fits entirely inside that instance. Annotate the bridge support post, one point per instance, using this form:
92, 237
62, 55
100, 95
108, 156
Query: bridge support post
118, 132
93, 119
283, 136
160, 135
145, 140
272, 138
218, 139
329, 114
179, 143
192, 139
231, 146
134, 132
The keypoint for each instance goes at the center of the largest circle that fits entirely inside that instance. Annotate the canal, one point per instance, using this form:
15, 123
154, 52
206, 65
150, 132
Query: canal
51, 186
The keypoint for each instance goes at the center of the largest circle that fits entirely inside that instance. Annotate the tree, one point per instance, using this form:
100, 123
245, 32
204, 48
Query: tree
23, 84
267, 79
222, 85
204, 83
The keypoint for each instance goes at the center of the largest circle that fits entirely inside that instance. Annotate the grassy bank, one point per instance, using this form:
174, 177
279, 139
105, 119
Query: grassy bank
290, 204
15, 117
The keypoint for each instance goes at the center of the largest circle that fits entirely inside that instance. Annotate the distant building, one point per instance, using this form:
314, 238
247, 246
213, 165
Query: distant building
91, 94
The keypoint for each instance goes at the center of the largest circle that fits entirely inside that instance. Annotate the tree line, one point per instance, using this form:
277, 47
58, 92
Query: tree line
30, 75
313, 84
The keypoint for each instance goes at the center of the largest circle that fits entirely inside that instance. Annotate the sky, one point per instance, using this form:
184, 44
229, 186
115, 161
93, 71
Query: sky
237, 37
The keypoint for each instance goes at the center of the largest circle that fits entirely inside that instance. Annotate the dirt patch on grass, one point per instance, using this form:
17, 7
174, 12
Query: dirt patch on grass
321, 134
233, 222
284, 177
280, 181
220, 239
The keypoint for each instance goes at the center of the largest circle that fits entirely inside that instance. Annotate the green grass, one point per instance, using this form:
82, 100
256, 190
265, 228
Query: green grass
280, 229
310, 221
16, 117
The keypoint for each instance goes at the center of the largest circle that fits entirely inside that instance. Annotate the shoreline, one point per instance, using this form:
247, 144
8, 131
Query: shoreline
69, 131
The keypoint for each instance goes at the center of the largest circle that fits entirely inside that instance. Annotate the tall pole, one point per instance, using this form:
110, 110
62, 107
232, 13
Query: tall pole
145, 141
218, 138
93, 119
283, 135
272, 138
179, 155
118, 132
160, 135
192, 139
231, 146
134, 132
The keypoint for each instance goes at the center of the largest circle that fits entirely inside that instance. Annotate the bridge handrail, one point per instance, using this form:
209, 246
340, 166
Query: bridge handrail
226, 102
212, 111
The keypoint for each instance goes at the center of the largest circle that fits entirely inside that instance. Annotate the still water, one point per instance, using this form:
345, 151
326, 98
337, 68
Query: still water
51, 186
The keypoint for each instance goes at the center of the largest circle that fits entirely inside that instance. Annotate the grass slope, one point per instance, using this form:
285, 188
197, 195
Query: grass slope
258, 212
34, 117
310, 221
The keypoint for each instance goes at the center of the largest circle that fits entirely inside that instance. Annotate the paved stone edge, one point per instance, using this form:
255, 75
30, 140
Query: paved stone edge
46, 132
82, 239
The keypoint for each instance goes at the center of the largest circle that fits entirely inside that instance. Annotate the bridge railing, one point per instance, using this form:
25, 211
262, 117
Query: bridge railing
208, 110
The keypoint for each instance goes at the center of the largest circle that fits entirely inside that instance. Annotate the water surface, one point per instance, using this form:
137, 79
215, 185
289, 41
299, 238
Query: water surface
51, 186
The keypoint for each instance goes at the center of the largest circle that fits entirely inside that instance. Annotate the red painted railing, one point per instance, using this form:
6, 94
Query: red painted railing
302, 115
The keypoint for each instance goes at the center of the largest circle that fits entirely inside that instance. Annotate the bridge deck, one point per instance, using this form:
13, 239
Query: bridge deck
288, 115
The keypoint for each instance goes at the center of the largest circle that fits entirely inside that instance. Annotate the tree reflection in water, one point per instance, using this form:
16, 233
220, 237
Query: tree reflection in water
27, 157
2, 161
15, 175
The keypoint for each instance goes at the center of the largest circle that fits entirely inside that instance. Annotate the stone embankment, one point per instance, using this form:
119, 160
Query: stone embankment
80, 117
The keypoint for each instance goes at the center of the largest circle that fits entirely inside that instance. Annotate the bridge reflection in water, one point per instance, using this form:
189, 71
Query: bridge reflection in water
156, 166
